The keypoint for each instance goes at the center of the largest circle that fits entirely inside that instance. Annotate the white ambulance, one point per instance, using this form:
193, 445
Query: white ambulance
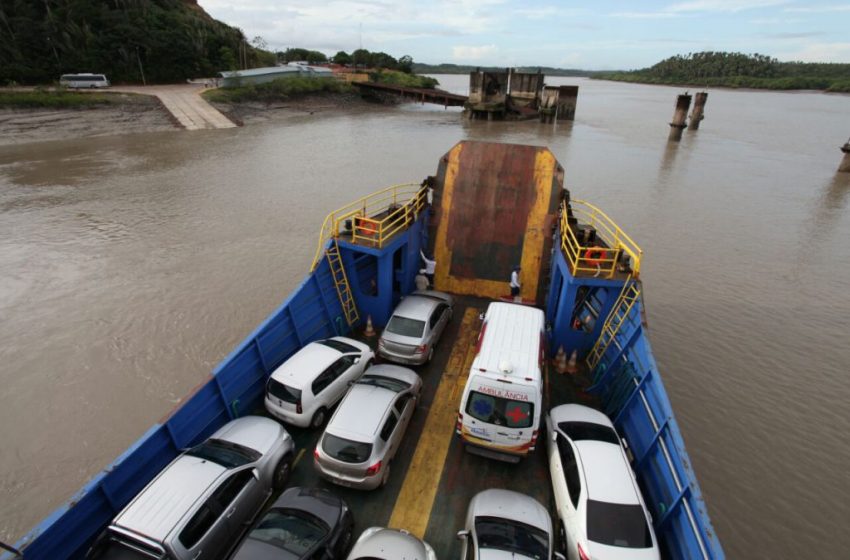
500, 410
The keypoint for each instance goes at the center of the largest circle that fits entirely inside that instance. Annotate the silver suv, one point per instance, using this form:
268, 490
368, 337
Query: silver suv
202, 502
366, 430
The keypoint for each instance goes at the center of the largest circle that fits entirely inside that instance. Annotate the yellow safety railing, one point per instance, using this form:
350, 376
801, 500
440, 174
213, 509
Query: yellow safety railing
619, 313
375, 218
595, 258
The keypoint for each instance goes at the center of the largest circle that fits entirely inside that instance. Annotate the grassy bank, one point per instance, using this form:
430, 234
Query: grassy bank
277, 90
403, 79
53, 99
832, 85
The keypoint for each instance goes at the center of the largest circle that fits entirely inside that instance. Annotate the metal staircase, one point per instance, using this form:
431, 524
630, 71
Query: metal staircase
343, 290
622, 307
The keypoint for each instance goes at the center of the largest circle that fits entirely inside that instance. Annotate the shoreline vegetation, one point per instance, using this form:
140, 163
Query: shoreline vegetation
737, 70
61, 99
283, 89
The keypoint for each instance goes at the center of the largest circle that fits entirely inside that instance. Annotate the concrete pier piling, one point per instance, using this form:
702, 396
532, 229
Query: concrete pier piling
845, 162
567, 99
683, 103
697, 113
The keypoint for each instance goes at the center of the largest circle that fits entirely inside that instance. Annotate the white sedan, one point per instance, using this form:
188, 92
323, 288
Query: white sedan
600, 508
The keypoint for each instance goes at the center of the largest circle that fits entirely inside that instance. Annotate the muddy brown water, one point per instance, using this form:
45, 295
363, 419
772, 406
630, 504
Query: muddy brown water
131, 264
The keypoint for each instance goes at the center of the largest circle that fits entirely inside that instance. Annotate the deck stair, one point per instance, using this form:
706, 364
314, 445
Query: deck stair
627, 299
343, 290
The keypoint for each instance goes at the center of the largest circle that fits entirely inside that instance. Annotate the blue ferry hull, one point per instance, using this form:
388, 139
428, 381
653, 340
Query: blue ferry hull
626, 380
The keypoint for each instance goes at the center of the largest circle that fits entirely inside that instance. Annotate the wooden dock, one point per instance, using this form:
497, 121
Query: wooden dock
420, 95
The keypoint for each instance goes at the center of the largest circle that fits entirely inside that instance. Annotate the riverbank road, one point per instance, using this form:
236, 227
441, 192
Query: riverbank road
185, 103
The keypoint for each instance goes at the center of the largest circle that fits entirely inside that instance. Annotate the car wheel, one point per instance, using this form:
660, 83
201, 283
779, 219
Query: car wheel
386, 476
562, 538
318, 418
345, 541
282, 473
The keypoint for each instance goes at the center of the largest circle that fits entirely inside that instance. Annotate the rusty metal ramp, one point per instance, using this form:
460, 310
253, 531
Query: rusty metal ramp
495, 207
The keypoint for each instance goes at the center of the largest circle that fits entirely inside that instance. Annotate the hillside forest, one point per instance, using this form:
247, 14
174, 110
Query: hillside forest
724, 69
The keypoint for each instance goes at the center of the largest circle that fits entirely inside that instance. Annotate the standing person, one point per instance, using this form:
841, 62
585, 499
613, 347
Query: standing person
430, 265
421, 282
515, 284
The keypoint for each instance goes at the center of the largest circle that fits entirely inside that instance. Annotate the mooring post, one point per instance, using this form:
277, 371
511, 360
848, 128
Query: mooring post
683, 103
696, 114
845, 162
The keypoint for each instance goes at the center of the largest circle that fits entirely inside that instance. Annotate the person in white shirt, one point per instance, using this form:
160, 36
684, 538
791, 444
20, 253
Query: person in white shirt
515, 284
428, 271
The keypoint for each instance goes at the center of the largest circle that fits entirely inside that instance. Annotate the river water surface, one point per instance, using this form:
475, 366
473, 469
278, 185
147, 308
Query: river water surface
130, 265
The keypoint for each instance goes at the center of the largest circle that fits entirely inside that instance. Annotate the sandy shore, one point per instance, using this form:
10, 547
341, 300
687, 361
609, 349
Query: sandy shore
130, 114
141, 113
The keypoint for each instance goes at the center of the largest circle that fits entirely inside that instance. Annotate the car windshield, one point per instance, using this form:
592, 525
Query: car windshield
294, 531
346, 450
225, 453
500, 411
337, 345
617, 525
406, 327
578, 431
512, 536
283, 392
394, 385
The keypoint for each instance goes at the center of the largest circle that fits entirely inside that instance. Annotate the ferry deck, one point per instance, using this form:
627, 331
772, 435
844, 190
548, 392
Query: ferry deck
489, 208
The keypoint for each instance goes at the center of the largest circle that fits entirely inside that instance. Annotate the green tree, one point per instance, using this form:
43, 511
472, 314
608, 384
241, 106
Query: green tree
405, 64
227, 58
361, 57
342, 57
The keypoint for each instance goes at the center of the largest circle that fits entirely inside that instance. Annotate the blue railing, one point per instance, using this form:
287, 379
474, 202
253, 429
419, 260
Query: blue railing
633, 395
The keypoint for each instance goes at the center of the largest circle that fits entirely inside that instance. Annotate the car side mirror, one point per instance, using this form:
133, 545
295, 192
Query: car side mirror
357, 359
554, 436
462, 535
255, 473
559, 556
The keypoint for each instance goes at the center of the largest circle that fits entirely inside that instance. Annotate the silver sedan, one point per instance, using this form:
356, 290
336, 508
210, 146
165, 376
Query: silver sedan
366, 430
390, 544
415, 327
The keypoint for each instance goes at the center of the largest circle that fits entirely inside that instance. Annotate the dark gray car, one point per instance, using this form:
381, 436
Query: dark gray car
415, 327
304, 523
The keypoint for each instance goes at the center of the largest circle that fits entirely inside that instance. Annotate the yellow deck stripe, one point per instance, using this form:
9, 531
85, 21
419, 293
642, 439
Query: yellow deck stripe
412, 509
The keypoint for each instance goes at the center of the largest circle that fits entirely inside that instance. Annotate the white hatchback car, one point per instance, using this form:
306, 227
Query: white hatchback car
305, 386
503, 524
600, 507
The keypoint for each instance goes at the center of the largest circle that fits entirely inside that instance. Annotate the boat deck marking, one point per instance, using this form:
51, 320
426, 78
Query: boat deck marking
412, 508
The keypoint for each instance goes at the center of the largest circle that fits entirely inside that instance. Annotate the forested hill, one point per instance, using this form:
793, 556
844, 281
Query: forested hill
740, 70
166, 40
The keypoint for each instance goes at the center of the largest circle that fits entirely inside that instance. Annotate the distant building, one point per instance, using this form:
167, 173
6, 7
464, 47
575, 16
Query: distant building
262, 75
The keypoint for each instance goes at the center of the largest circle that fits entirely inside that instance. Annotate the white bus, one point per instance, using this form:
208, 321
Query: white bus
84, 81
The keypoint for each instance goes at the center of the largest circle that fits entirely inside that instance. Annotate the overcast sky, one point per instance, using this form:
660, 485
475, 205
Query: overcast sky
568, 34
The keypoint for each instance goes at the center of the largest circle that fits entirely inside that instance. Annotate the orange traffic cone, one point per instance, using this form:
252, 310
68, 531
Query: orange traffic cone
572, 367
560, 360
370, 330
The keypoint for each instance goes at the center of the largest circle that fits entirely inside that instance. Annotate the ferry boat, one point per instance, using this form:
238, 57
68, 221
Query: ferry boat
488, 208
